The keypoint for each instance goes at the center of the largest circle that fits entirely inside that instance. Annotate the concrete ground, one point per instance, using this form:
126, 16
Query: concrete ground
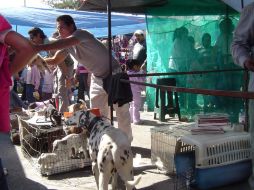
22, 176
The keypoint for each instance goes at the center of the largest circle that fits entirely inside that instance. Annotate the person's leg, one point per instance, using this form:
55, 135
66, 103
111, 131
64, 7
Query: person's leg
29, 93
63, 98
98, 96
23, 96
124, 119
136, 107
131, 110
86, 82
81, 86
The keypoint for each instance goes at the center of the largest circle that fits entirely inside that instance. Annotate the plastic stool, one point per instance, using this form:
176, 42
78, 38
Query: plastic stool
172, 106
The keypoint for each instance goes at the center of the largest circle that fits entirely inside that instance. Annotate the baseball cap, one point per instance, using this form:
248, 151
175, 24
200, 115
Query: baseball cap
139, 32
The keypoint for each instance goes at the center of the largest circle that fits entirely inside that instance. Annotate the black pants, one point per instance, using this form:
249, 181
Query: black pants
83, 85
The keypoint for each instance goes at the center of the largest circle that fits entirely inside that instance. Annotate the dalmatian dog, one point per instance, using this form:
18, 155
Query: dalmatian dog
71, 144
109, 149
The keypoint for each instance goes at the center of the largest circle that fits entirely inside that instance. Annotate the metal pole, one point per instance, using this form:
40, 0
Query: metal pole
110, 51
24, 3
242, 4
245, 89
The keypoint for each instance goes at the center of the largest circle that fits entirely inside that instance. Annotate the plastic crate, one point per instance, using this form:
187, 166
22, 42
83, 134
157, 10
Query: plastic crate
165, 142
220, 149
185, 167
228, 154
211, 178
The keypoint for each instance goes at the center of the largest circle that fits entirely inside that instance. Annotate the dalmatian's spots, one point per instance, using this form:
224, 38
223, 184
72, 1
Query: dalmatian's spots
106, 127
108, 147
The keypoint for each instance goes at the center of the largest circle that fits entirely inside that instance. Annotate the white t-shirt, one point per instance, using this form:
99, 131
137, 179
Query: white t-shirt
92, 54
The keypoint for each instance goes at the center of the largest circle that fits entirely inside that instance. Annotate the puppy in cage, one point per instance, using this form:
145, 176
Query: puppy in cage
48, 160
70, 146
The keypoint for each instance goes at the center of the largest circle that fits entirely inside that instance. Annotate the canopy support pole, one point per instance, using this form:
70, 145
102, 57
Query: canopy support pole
110, 52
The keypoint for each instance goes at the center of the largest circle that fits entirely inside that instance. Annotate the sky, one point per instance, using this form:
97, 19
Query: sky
16, 3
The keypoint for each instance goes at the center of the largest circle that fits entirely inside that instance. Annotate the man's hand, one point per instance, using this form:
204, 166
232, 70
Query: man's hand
36, 95
249, 64
68, 83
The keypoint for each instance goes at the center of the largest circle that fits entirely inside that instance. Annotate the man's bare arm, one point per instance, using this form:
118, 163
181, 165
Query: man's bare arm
58, 44
58, 58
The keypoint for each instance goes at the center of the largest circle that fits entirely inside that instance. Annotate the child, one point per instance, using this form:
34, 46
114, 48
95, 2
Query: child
134, 67
47, 87
33, 77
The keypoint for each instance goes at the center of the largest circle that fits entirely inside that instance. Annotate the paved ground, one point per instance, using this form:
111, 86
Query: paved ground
23, 176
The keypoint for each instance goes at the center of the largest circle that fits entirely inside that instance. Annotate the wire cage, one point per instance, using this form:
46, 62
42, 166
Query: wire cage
14, 132
50, 150
165, 143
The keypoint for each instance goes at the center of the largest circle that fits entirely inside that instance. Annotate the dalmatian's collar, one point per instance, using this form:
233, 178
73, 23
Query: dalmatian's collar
87, 123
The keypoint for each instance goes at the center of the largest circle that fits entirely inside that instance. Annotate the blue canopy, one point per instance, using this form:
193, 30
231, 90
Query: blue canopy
23, 18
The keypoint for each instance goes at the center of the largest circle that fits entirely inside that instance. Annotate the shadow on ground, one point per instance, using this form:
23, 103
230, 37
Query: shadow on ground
146, 153
16, 177
84, 172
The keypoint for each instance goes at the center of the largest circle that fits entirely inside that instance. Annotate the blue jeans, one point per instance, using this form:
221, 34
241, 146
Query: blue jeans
29, 93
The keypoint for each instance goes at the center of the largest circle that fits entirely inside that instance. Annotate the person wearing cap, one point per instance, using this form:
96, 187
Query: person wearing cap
139, 49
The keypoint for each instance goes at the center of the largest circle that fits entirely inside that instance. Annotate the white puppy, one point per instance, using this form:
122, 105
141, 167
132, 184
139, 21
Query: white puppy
71, 144
48, 160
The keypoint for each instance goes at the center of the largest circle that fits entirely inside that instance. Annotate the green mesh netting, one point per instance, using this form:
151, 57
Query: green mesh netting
174, 43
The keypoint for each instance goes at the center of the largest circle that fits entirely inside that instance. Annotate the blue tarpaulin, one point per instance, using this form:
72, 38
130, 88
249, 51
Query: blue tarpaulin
23, 18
